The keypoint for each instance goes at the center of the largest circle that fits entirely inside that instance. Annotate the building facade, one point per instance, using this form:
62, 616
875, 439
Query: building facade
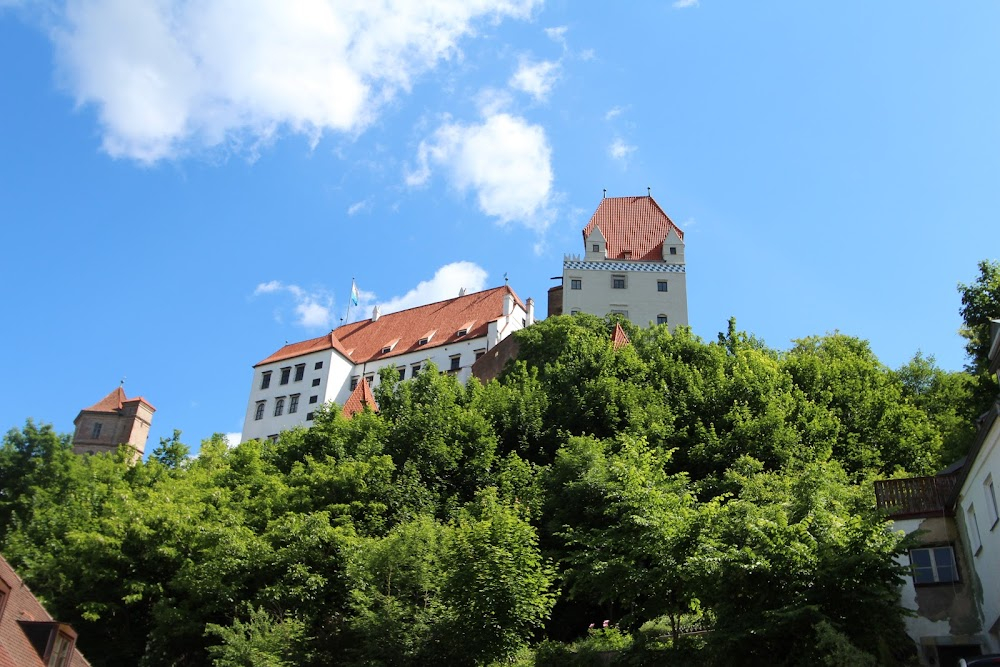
114, 420
954, 585
291, 384
632, 265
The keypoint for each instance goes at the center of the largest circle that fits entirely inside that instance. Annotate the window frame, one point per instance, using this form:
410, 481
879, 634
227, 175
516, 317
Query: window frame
596, 247
300, 372
286, 373
316, 382
354, 382
576, 283
293, 403
259, 411
661, 319
673, 250
934, 567
279, 406
455, 362
619, 277
95, 430
265, 380
991, 501
972, 526
662, 286
318, 365
313, 399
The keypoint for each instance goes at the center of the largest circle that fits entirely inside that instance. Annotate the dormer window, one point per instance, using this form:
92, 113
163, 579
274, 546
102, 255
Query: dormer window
462, 332
627, 254
423, 341
426, 338
673, 250
388, 347
597, 247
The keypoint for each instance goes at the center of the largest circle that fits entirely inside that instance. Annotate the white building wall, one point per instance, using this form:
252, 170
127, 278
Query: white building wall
640, 297
335, 375
976, 495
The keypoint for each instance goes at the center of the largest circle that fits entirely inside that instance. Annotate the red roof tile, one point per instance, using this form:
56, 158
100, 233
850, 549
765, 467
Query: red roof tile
365, 339
114, 401
619, 338
632, 224
359, 398
16, 649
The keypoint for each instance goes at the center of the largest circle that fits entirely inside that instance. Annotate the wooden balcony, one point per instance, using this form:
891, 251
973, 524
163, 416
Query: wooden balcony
916, 496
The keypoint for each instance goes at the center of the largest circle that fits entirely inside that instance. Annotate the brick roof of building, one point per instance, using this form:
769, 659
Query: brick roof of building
619, 338
16, 649
363, 341
359, 398
114, 401
632, 224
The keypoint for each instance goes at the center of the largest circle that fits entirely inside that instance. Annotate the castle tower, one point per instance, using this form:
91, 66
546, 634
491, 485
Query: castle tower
112, 421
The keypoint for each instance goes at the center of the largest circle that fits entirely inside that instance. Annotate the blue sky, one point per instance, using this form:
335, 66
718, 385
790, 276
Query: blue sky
184, 187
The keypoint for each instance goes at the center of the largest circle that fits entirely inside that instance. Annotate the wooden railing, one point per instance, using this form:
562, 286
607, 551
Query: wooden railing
914, 496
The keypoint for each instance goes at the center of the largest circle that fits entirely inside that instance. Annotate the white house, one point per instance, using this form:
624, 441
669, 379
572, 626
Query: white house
954, 585
632, 265
289, 385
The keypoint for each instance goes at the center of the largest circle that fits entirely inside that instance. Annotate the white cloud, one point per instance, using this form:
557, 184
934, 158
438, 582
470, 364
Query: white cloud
684, 4
170, 77
619, 150
445, 284
557, 34
313, 310
357, 207
536, 79
613, 112
506, 161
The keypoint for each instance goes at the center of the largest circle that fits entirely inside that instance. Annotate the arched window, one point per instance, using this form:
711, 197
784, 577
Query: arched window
279, 406
661, 319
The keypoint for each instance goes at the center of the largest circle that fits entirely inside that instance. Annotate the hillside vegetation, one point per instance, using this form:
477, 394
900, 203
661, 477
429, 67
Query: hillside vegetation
591, 499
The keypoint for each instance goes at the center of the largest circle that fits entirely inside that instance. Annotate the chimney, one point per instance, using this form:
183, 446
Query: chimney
531, 311
508, 304
461, 292
376, 313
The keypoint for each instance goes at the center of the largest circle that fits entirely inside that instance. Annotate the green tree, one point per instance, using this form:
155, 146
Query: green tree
948, 400
980, 304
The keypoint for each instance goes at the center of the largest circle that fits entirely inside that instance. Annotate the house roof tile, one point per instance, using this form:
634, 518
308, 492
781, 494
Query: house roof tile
365, 339
619, 338
635, 225
114, 401
16, 649
359, 398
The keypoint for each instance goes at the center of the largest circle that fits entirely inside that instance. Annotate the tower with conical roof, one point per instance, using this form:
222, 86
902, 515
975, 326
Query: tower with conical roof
112, 421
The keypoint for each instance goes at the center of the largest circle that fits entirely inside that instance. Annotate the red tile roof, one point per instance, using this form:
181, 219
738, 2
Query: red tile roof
619, 338
359, 398
16, 649
363, 341
114, 401
632, 224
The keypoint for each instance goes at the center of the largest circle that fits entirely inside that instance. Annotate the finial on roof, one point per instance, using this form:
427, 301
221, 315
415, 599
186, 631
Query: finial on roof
122, 383
504, 277
649, 191
605, 194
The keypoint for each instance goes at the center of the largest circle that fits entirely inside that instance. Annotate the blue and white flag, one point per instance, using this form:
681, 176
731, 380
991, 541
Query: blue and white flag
354, 294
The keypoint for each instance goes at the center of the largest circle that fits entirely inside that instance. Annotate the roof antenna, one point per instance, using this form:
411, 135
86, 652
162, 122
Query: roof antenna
649, 192
605, 194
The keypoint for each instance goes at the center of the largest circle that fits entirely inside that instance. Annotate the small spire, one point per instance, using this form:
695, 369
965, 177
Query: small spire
649, 191
504, 277
605, 194
122, 383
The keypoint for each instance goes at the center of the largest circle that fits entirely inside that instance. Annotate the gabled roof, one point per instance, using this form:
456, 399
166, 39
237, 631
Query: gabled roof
619, 338
25, 619
632, 224
359, 398
363, 341
114, 401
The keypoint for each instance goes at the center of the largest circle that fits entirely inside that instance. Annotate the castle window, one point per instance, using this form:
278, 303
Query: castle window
623, 313
370, 379
300, 371
661, 319
673, 250
315, 382
293, 404
285, 374
319, 365
279, 406
309, 416
933, 565
456, 362
574, 312
273, 437
313, 399
618, 282
265, 380
95, 432
661, 285
597, 247
576, 283
479, 353
354, 383
402, 372
259, 414
414, 370
423, 341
